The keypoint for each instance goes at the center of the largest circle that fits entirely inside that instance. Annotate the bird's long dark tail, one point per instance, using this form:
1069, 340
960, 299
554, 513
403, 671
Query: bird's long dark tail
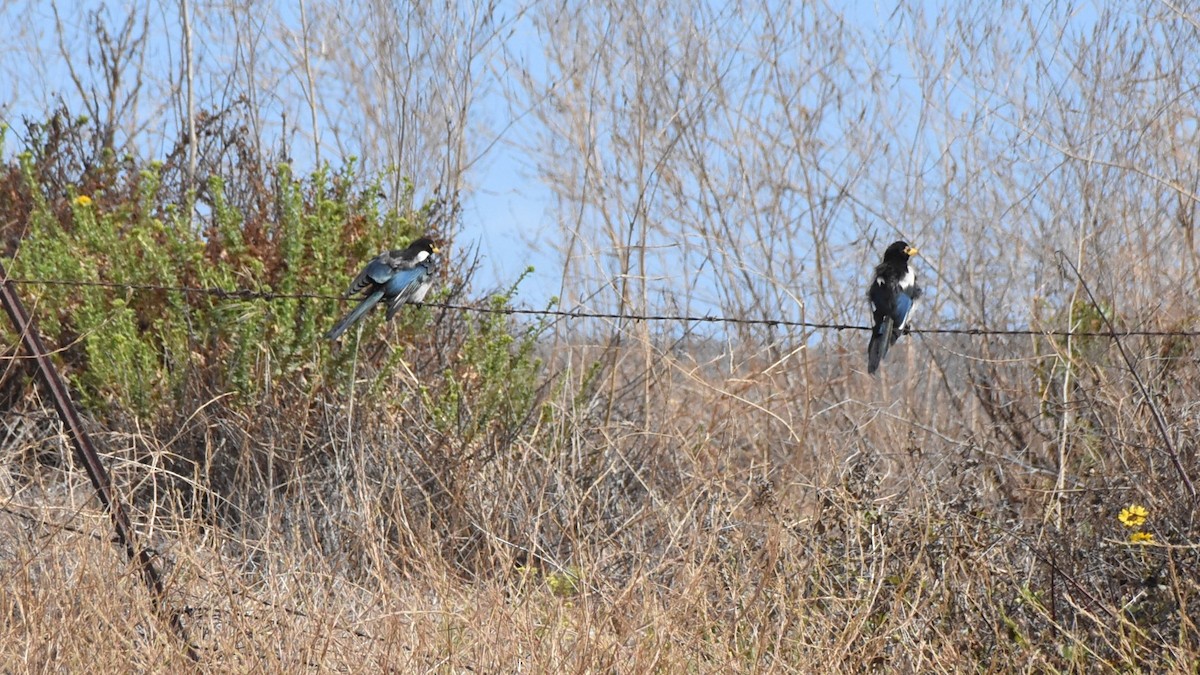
358, 312
880, 341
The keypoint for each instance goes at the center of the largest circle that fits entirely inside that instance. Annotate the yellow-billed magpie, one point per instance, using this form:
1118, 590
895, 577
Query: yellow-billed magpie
892, 295
399, 276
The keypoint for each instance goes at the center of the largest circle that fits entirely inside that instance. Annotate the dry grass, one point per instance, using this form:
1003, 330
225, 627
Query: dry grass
744, 521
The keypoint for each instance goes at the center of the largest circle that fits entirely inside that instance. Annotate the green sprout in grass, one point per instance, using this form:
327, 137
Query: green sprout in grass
565, 583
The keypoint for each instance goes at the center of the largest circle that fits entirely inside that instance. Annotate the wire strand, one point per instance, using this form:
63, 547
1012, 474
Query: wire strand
254, 294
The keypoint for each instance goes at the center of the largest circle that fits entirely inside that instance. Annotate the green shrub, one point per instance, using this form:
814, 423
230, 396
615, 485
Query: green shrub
492, 383
144, 348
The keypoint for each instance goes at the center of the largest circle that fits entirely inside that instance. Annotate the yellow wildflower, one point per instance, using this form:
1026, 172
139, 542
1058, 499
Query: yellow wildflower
1133, 515
83, 200
1141, 538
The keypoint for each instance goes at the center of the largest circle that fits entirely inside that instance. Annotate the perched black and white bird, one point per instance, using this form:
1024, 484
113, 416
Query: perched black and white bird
399, 276
892, 295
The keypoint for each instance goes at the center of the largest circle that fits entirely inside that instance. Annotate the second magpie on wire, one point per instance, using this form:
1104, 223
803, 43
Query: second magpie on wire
892, 294
399, 276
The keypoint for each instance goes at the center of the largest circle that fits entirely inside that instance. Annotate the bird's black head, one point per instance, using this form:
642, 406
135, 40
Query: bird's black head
423, 245
899, 252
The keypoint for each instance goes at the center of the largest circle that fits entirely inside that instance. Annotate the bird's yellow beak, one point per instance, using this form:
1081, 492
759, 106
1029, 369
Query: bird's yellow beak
910, 251
438, 249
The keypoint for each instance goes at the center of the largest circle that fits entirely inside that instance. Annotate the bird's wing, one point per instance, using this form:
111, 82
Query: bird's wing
904, 305
403, 281
404, 284
881, 295
377, 272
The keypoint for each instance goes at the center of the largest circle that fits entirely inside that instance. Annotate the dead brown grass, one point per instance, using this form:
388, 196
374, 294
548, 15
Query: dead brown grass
745, 521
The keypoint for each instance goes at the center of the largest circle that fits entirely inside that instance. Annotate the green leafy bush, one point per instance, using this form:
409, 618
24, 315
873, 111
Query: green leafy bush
118, 226
492, 384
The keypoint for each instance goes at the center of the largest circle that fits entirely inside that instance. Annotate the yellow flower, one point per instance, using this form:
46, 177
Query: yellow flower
1133, 515
1141, 538
83, 200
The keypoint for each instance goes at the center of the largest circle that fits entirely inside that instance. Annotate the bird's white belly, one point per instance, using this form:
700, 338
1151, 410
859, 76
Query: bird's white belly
419, 294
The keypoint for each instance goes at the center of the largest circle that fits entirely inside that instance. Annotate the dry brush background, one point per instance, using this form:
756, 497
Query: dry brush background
473, 492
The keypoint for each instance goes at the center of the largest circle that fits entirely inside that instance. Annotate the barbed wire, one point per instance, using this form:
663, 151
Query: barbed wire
257, 294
